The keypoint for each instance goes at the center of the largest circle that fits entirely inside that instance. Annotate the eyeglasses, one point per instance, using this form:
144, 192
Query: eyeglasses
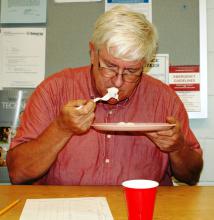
109, 71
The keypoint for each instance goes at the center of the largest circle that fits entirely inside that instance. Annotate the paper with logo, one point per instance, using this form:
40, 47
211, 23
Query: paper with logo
23, 57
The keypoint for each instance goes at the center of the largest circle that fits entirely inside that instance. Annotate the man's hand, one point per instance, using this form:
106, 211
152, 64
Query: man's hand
76, 120
186, 164
168, 140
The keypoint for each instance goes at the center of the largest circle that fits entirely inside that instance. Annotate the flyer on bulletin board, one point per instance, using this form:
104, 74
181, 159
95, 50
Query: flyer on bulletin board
22, 57
158, 67
23, 11
12, 104
185, 81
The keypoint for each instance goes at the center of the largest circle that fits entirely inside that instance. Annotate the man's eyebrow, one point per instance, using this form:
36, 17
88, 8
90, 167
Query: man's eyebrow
132, 68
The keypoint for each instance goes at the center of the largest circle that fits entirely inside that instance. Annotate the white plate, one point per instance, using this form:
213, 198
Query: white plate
129, 126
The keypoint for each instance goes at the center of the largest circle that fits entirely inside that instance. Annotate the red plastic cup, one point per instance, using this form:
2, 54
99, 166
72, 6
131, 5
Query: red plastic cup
140, 198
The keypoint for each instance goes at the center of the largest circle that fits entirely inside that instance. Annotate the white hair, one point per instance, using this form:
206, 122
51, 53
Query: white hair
130, 35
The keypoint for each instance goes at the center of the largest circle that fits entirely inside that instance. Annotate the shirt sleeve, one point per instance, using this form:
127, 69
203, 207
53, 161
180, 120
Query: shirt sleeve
38, 114
182, 116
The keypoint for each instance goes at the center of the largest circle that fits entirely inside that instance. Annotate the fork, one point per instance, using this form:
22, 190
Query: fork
111, 93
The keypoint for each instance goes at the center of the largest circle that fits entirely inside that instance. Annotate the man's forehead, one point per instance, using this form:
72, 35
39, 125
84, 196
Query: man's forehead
109, 56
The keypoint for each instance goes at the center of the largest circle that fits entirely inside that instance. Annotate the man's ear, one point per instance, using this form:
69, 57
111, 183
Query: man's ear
92, 52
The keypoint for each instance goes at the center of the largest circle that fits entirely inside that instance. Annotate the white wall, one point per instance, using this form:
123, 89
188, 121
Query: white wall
204, 128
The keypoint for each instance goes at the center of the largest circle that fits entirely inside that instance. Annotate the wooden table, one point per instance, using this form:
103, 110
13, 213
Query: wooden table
172, 203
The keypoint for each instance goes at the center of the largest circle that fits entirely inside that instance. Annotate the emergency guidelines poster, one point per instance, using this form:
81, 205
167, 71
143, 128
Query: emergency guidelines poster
185, 81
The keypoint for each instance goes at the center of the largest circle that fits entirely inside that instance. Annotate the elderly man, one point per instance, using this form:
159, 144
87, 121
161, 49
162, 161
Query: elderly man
56, 144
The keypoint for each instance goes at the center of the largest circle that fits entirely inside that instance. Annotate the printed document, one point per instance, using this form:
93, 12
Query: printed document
90, 208
22, 57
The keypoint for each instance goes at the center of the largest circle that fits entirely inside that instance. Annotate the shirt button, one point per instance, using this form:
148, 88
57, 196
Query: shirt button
107, 160
110, 112
108, 136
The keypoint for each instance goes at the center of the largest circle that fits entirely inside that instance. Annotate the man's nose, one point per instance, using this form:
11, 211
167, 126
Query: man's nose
118, 79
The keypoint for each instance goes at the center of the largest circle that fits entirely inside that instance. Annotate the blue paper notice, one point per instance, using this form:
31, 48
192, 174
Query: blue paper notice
128, 1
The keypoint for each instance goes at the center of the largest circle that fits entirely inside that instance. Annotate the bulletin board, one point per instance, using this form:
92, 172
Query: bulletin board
182, 32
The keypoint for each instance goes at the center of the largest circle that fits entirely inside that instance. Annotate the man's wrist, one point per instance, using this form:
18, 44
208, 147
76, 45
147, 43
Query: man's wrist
61, 127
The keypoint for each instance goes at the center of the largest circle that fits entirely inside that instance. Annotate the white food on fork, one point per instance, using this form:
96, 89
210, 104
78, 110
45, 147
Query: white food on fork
111, 93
